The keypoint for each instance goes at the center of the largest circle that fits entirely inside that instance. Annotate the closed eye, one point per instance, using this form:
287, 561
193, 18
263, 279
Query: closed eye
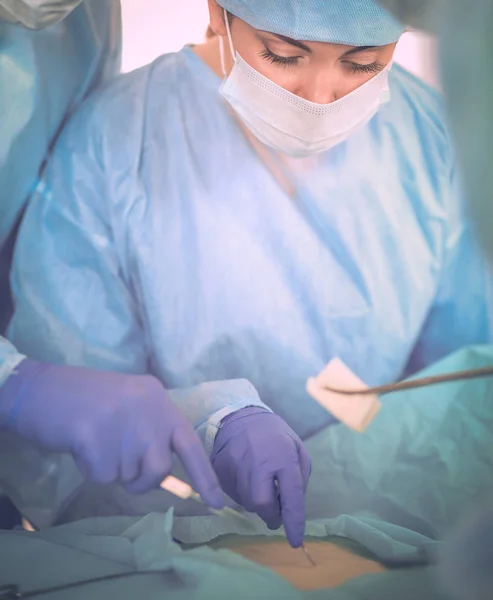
287, 61
374, 67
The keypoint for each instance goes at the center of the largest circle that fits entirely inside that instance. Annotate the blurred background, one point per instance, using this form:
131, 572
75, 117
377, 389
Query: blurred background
154, 27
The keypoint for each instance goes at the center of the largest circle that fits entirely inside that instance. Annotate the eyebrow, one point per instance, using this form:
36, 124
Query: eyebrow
305, 48
359, 49
292, 42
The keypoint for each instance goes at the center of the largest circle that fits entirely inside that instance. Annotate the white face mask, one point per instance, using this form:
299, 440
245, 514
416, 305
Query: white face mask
290, 124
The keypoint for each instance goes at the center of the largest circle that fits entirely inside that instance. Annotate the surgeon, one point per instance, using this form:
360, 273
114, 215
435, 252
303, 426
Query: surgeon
118, 427
465, 47
235, 215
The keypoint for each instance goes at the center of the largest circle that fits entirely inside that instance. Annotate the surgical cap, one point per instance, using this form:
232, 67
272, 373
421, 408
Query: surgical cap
351, 22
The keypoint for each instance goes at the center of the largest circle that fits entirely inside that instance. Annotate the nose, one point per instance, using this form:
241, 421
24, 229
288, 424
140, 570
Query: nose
321, 87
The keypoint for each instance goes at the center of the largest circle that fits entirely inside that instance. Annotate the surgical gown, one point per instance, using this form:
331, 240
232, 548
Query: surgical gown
43, 75
159, 242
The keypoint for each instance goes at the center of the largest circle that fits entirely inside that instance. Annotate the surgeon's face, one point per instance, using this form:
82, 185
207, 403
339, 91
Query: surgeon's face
316, 71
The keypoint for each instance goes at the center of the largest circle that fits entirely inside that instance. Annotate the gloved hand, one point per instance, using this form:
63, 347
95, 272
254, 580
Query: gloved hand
262, 465
119, 428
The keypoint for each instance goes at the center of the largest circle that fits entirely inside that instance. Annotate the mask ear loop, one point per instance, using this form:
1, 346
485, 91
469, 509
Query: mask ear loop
221, 45
230, 39
221, 54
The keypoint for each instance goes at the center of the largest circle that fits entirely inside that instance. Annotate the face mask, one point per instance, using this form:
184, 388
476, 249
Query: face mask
36, 14
290, 124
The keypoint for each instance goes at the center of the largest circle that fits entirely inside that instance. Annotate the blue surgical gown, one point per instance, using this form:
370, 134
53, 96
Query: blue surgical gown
159, 242
43, 75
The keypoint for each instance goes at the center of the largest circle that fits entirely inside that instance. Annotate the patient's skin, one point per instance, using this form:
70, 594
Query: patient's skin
335, 565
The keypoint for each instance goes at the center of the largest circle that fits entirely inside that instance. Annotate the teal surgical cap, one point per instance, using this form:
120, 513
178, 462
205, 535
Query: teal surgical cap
351, 22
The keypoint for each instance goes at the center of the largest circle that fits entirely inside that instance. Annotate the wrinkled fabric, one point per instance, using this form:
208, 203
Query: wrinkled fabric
36, 14
108, 547
162, 264
353, 22
44, 75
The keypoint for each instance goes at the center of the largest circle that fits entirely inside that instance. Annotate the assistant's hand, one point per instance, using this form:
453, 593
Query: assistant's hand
120, 428
262, 465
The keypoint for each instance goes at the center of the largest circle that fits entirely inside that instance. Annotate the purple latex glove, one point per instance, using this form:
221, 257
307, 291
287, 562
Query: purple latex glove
262, 465
119, 428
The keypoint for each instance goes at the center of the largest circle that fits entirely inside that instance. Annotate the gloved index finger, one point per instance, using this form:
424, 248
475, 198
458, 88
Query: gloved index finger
292, 497
187, 446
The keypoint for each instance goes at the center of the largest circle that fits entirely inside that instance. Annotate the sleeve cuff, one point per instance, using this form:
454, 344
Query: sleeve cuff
207, 404
8, 363
213, 423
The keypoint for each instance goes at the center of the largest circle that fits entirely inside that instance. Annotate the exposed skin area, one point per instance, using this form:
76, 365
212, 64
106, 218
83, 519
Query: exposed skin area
334, 564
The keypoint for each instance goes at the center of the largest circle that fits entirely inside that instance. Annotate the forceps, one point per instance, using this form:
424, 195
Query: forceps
416, 383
